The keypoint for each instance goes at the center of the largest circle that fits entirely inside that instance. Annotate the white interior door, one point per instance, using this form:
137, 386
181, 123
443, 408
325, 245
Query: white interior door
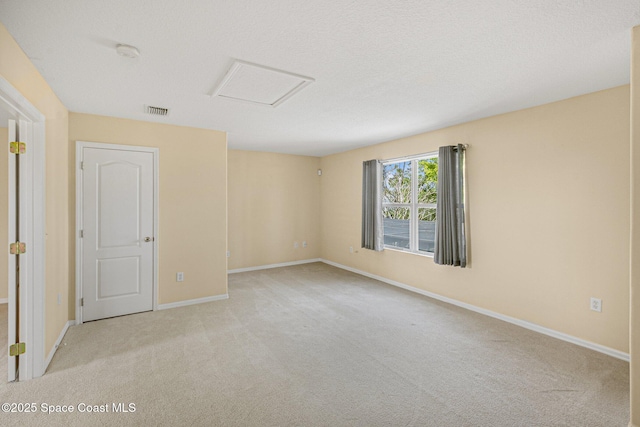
11, 264
117, 232
26, 223
17, 266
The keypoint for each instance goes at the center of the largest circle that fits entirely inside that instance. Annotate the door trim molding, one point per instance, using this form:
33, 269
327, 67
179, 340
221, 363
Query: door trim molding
80, 145
33, 303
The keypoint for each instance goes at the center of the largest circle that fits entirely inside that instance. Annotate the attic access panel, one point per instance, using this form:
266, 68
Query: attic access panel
257, 84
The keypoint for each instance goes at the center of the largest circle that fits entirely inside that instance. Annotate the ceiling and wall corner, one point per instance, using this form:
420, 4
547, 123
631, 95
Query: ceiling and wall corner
382, 70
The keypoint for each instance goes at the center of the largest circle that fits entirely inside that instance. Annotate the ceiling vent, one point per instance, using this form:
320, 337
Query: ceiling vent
257, 84
156, 111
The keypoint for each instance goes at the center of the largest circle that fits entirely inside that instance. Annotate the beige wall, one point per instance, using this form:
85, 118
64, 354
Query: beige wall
274, 201
548, 216
4, 238
193, 200
18, 70
635, 226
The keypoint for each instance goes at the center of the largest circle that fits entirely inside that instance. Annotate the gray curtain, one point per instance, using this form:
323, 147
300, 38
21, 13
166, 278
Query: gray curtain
450, 244
372, 231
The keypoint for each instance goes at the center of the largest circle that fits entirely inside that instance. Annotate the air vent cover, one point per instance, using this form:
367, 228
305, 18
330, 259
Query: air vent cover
156, 111
257, 84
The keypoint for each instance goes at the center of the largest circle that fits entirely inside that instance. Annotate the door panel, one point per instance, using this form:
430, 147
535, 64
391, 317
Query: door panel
118, 277
11, 264
18, 269
119, 205
117, 211
24, 293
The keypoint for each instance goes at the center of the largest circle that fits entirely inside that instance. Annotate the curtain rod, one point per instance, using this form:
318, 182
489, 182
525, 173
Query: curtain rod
417, 156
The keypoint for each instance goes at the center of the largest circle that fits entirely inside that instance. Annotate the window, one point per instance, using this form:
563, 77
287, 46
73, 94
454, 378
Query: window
409, 196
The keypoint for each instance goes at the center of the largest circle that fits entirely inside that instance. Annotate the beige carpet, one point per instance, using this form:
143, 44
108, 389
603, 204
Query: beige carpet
313, 345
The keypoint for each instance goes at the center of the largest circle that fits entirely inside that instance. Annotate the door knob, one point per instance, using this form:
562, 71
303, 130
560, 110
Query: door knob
148, 239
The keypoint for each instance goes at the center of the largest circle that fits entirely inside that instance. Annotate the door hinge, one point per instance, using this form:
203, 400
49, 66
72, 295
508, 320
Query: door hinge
81, 234
17, 248
81, 166
17, 147
81, 302
17, 349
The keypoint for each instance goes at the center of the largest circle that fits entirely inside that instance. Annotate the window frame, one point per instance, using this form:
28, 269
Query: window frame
413, 206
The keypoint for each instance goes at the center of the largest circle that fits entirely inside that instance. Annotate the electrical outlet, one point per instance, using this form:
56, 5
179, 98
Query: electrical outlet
295, 245
228, 254
180, 276
596, 304
350, 249
304, 244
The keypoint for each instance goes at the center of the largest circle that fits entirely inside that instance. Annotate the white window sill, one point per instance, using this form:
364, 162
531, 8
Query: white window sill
422, 254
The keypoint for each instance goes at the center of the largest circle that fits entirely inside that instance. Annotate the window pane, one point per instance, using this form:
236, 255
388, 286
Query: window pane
396, 227
426, 229
396, 183
427, 180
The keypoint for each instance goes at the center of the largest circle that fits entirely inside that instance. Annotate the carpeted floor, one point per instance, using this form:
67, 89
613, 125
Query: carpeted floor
313, 345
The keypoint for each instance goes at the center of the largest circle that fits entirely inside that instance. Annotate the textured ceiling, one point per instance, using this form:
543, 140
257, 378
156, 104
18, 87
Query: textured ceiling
383, 69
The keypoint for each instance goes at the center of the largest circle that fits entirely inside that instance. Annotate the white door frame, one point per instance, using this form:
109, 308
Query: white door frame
80, 145
32, 293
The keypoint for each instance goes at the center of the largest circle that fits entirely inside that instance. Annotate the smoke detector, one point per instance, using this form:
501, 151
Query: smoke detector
127, 51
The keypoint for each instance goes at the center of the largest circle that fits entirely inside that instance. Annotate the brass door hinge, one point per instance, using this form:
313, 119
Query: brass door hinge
17, 349
17, 248
17, 147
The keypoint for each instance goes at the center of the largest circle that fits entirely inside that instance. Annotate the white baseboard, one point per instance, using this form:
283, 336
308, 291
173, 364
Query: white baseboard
4, 300
523, 323
57, 344
192, 302
282, 264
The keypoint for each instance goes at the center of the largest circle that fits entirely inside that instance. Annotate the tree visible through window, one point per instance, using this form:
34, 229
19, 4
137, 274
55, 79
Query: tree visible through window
409, 203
